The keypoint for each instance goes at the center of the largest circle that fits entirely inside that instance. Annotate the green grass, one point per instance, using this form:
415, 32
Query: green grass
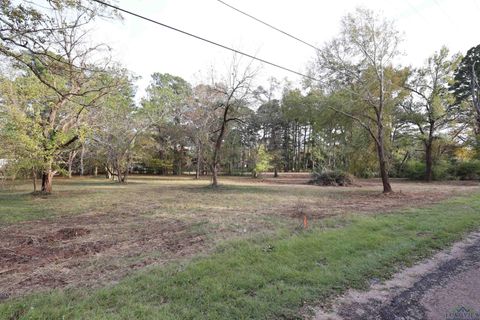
267, 277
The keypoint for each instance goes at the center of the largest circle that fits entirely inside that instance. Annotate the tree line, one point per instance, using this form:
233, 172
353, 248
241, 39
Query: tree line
67, 108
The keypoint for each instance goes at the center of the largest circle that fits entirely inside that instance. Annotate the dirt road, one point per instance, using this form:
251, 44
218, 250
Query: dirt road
445, 287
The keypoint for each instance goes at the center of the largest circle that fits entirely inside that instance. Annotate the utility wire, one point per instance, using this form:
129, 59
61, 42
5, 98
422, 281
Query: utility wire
445, 13
269, 25
417, 12
205, 40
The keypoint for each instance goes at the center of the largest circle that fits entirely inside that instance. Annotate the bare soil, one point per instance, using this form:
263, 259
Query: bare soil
96, 250
363, 200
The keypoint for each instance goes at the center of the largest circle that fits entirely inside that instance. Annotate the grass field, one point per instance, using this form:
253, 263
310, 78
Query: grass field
176, 249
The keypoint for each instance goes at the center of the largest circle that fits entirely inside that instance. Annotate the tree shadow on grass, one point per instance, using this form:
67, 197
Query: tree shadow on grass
233, 188
95, 183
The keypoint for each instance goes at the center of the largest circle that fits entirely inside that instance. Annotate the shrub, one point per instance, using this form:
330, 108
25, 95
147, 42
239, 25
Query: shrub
332, 178
468, 170
415, 170
442, 170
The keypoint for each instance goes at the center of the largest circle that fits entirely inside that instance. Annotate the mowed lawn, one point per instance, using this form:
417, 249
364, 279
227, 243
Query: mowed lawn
165, 248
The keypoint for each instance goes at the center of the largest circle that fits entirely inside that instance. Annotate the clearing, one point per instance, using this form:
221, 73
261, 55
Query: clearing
93, 232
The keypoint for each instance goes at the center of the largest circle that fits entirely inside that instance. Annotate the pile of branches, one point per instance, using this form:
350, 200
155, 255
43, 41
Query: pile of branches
332, 178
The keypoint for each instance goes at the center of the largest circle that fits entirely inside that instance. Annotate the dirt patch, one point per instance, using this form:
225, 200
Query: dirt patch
94, 251
366, 201
69, 233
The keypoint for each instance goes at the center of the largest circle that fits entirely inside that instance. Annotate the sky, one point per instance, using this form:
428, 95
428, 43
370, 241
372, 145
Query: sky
144, 48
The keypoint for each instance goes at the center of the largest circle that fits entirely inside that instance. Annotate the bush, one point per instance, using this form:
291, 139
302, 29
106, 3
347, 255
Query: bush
468, 170
442, 170
415, 170
332, 178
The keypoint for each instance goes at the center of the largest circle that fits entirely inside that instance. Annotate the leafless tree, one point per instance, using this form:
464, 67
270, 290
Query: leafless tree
231, 92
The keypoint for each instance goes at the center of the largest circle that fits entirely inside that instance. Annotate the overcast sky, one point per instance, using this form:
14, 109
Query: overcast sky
145, 48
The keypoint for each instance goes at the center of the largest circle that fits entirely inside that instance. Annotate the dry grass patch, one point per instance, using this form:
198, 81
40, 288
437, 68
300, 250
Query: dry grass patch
92, 232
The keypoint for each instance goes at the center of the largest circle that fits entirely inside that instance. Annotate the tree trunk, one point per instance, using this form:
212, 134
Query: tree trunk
108, 172
214, 176
34, 179
275, 174
82, 154
387, 188
69, 170
218, 146
197, 172
95, 171
428, 161
305, 148
180, 161
428, 153
47, 180
71, 158
70, 164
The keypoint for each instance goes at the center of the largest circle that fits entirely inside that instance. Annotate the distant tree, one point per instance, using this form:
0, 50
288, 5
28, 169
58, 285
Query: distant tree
262, 161
200, 123
265, 95
116, 128
166, 104
271, 122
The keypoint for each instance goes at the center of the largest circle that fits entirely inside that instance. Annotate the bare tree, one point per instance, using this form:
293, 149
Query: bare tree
200, 121
232, 92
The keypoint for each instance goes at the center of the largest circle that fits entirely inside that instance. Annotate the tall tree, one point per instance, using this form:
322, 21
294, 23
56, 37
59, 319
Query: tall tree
431, 108
270, 120
201, 120
166, 104
232, 92
116, 127
51, 45
20, 130
360, 60
466, 86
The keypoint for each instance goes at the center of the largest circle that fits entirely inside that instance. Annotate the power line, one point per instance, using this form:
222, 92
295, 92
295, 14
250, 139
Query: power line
445, 13
417, 12
269, 25
205, 40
